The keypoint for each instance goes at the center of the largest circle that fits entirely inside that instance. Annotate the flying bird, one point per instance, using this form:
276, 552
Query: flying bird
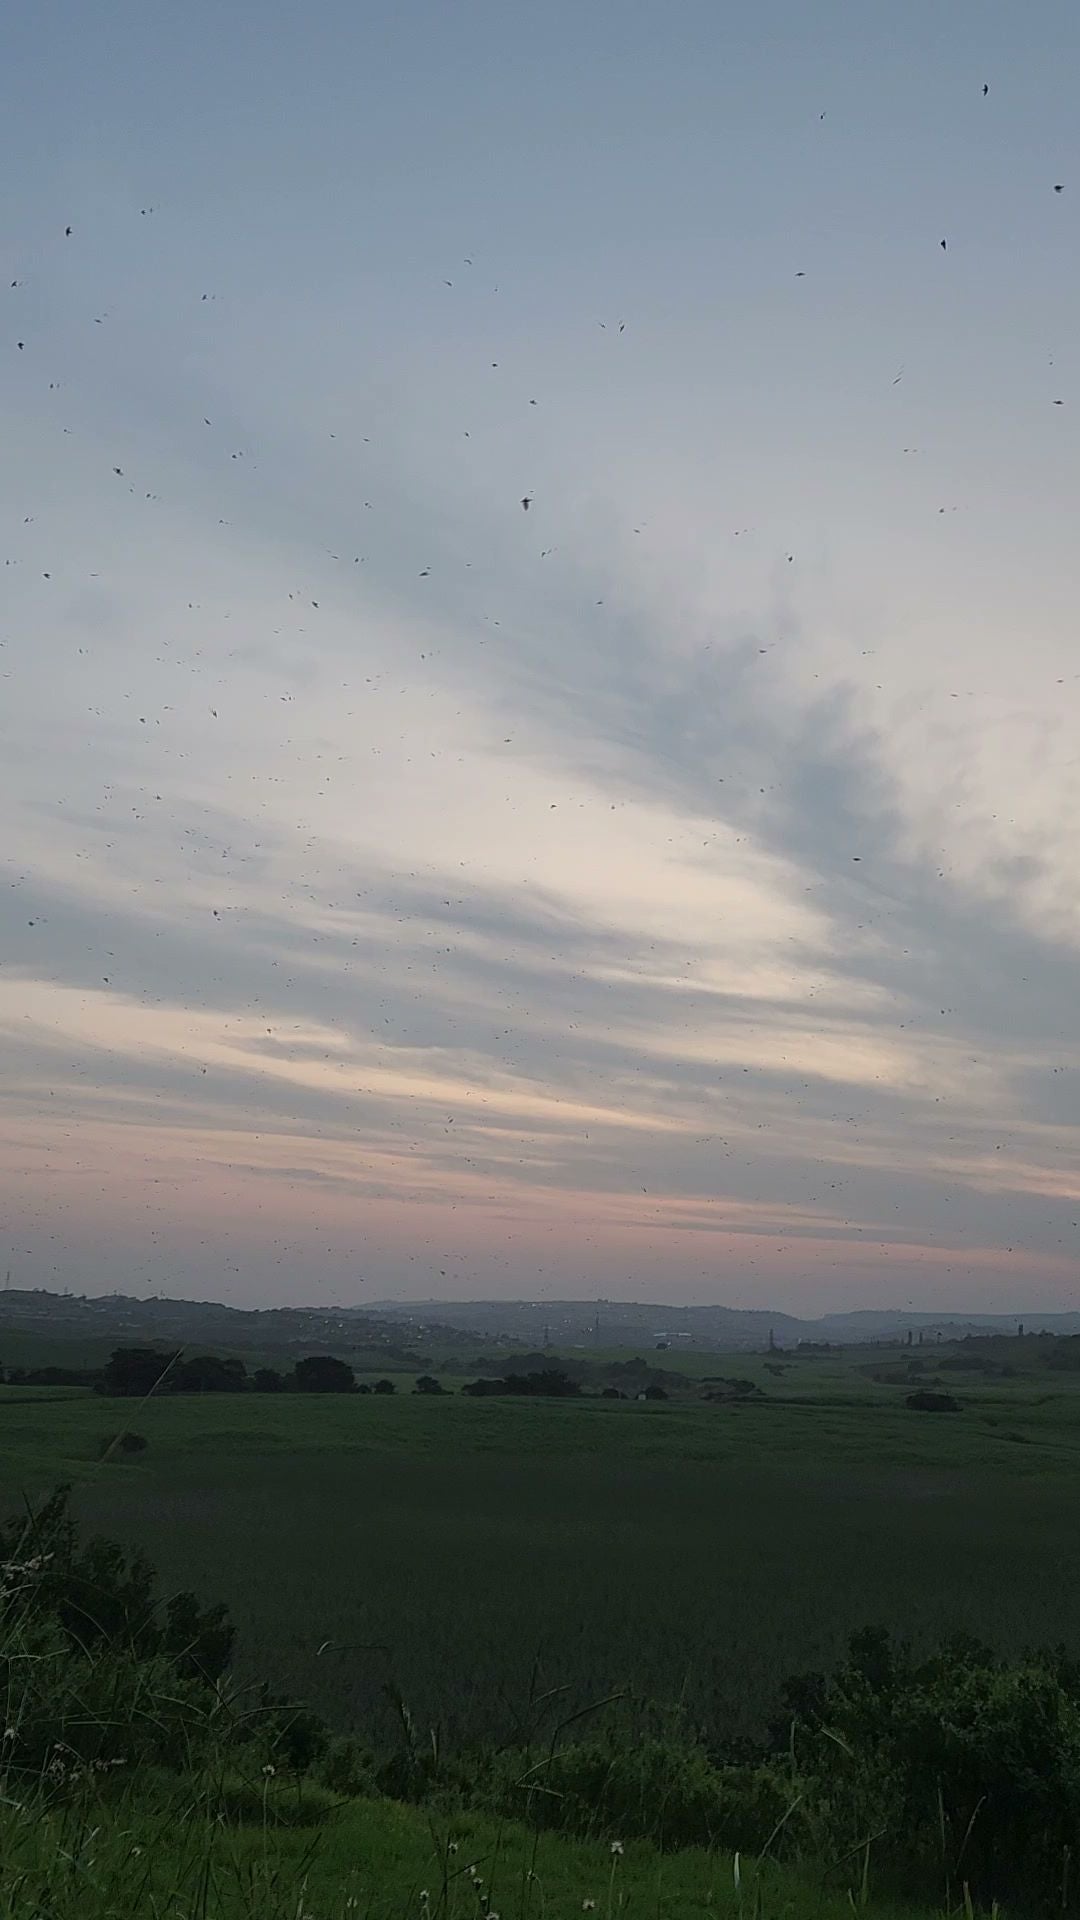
944, 246
986, 88
526, 501
1060, 188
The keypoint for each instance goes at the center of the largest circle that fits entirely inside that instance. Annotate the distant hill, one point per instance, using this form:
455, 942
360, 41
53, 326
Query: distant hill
620, 1323
397, 1332
92, 1324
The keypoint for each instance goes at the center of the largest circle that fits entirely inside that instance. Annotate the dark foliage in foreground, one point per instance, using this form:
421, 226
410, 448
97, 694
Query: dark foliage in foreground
959, 1770
95, 1670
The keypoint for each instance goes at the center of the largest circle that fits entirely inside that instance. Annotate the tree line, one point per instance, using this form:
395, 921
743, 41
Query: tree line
134, 1373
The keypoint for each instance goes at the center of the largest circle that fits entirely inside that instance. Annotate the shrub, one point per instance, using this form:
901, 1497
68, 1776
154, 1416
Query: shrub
665, 1790
114, 1444
926, 1401
967, 1768
346, 1767
94, 1671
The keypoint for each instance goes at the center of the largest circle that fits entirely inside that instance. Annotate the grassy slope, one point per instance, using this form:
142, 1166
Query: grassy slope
693, 1553
375, 1858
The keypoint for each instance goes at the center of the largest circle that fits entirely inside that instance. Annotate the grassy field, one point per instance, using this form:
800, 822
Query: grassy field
690, 1554
382, 1861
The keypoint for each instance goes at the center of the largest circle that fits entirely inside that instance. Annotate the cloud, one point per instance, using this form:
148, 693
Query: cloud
577, 897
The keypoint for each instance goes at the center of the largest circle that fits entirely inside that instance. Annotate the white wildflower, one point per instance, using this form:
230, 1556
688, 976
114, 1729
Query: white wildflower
269, 1771
617, 1847
588, 1906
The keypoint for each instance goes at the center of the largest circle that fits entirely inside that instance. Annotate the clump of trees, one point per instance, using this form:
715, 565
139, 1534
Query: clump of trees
322, 1373
547, 1383
134, 1373
47, 1376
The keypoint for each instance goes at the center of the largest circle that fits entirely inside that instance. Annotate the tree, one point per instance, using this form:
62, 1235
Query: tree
136, 1372
267, 1380
384, 1386
322, 1373
427, 1384
205, 1373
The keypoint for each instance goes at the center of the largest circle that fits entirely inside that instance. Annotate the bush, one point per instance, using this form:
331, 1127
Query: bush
266, 1801
114, 1444
346, 1767
665, 1790
926, 1401
966, 1768
94, 1671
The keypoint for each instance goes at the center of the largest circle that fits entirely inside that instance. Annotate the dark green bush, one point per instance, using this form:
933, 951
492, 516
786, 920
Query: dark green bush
964, 1767
115, 1445
346, 1767
95, 1672
664, 1790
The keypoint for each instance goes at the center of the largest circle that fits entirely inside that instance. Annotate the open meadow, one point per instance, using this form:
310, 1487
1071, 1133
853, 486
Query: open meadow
470, 1554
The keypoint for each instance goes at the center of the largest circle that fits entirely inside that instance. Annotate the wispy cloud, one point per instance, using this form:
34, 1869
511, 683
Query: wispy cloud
669, 888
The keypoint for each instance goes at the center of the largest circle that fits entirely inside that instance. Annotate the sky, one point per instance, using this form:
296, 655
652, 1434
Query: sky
665, 890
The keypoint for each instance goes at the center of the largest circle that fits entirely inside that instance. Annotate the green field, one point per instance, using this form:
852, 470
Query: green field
690, 1554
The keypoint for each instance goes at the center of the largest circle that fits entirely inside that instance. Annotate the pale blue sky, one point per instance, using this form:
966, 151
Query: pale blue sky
667, 891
